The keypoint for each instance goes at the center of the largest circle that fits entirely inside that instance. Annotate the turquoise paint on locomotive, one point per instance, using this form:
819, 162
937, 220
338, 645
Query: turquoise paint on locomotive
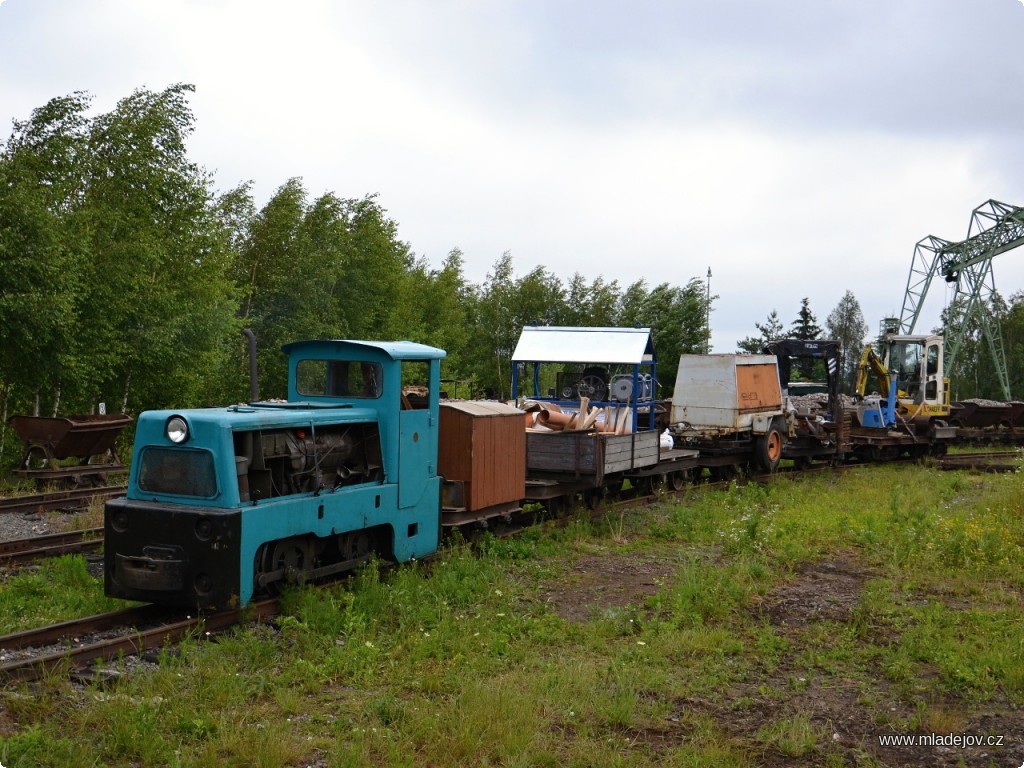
223, 503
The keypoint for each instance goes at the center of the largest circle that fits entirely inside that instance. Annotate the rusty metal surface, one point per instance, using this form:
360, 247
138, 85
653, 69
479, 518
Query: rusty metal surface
71, 437
73, 499
50, 545
134, 641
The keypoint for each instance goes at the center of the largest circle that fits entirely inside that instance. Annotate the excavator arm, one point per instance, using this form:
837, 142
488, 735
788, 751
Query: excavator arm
871, 362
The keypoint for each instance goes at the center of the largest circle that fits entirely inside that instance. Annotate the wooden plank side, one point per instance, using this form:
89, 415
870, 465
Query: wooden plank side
575, 452
453, 454
499, 459
625, 452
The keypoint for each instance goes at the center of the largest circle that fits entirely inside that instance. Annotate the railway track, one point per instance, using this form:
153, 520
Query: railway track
72, 645
32, 654
36, 653
990, 461
16, 551
70, 499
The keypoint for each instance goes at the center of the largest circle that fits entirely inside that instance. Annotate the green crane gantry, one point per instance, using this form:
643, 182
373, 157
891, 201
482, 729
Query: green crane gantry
995, 228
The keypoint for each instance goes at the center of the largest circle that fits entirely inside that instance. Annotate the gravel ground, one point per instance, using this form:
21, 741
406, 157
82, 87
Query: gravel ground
23, 526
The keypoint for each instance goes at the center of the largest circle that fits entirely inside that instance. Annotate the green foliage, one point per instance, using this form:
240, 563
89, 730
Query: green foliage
974, 372
805, 326
770, 330
124, 279
676, 316
61, 588
794, 736
846, 325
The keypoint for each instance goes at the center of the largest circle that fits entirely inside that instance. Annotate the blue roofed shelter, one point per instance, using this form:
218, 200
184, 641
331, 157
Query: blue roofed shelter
609, 366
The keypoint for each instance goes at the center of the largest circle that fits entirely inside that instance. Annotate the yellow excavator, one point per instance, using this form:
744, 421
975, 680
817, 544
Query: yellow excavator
913, 364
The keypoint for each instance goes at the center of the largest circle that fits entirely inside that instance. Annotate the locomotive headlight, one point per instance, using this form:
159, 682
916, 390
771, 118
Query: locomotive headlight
177, 429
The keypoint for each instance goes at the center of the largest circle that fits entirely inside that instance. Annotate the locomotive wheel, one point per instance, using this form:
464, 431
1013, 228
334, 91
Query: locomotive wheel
356, 545
293, 556
769, 448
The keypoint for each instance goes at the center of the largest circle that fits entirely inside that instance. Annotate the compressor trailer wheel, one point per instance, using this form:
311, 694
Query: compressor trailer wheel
769, 447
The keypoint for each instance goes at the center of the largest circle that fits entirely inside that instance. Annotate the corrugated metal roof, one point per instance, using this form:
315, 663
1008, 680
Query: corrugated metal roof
556, 344
482, 407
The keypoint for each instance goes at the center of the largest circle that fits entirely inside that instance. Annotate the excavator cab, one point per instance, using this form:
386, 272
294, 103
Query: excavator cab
913, 365
916, 365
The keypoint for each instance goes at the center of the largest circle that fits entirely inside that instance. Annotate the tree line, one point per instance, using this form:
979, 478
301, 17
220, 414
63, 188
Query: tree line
125, 278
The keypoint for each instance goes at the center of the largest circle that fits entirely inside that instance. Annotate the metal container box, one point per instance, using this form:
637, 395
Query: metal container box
727, 393
482, 445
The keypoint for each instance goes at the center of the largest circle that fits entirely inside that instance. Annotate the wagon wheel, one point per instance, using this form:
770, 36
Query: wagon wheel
769, 448
678, 480
650, 485
592, 498
558, 506
725, 472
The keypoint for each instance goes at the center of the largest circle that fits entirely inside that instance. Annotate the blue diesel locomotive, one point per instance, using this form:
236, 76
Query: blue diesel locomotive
225, 503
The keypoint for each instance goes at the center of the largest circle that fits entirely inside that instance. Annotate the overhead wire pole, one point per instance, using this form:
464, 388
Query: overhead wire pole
995, 228
707, 314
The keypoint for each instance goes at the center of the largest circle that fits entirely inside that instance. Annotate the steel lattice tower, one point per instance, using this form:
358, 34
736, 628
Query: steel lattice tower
995, 228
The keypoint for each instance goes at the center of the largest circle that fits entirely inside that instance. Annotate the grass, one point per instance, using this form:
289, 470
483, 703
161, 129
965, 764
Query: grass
787, 623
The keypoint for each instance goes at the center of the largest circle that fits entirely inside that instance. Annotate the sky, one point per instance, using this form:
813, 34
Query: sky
796, 148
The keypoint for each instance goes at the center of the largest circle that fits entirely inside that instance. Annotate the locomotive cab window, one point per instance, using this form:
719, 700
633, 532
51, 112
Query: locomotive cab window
339, 378
415, 384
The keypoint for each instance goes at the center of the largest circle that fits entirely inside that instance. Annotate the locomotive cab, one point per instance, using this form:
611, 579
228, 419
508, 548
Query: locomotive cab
226, 503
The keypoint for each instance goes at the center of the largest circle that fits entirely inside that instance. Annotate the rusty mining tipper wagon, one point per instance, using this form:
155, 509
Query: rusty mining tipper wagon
594, 393
90, 439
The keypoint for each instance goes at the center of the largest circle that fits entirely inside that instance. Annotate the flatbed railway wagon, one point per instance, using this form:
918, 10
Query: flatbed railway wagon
606, 379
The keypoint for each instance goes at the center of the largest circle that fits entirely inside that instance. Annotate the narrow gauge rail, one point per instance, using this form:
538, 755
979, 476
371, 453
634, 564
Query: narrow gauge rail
68, 645
74, 644
70, 499
15, 551
990, 461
